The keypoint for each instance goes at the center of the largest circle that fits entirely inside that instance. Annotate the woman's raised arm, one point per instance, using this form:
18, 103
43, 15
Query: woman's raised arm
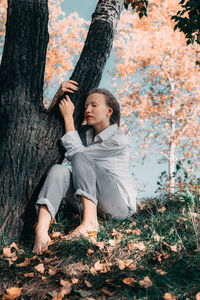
69, 86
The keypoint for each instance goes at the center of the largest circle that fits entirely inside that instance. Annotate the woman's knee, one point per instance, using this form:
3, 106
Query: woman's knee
59, 171
79, 159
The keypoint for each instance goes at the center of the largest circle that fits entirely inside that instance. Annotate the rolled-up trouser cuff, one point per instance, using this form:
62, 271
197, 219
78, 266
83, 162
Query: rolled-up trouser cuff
80, 192
45, 201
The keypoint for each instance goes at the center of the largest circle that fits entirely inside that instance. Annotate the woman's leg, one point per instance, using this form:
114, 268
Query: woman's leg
93, 182
58, 182
84, 181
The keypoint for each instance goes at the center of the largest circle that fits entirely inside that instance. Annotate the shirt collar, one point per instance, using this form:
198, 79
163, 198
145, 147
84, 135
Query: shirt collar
104, 134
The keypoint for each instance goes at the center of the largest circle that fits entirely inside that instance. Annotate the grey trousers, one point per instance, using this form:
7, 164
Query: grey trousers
86, 179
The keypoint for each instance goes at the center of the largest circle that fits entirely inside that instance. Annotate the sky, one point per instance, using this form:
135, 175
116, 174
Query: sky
145, 174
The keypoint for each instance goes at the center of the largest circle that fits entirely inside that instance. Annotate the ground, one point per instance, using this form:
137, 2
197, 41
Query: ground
153, 255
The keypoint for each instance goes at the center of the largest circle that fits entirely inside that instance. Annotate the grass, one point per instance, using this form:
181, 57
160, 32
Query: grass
153, 255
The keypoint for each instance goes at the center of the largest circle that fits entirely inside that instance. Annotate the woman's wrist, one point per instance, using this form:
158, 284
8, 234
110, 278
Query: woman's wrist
69, 123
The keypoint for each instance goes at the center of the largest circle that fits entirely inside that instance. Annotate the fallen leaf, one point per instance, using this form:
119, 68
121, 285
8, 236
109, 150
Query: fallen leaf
57, 297
24, 263
146, 282
40, 268
139, 246
44, 278
65, 282
162, 256
52, 271
14, 292
168, 296
129, 281
66, 290
107, 292
156, 237
7, 252
122, 264
89, 252
162, 209
112, 242
31, 274
14, 245
74, 280
100, 245
102, 267
55, 235
88, 284
161, 272
174, 248
198, 296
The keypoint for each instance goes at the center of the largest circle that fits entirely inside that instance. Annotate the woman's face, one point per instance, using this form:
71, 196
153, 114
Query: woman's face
96, 110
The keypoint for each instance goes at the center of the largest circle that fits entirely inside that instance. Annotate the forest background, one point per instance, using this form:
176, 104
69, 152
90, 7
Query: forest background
152, 72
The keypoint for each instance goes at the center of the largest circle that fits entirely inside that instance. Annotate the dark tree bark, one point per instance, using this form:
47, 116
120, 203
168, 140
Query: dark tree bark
29, 136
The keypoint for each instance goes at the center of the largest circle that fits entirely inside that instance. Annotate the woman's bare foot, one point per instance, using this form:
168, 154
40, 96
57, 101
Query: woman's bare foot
41, 241
84, 230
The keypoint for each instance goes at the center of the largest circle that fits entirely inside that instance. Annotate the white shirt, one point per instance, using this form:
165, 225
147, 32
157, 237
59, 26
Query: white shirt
110, 149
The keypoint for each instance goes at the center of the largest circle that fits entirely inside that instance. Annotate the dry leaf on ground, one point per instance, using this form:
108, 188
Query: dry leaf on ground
122, 264
31, 274
161, 272
74, 280
14, 292
40, 268
139, 246
89, 252
55, 235
129, 281
52, 271
168, 296
100, 245
198, 296
112, 242
107, 292
25, 263
156, 237
146, 282
57, 297
162, 209
88, 284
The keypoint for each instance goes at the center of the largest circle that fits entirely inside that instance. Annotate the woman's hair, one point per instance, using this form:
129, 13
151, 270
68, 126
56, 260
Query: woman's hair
112, 102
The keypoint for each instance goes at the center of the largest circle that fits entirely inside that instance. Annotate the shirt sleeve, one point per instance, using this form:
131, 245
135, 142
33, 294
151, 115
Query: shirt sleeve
108, 148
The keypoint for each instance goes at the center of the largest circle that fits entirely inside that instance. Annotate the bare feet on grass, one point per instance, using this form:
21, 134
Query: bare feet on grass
42, 240
86, 230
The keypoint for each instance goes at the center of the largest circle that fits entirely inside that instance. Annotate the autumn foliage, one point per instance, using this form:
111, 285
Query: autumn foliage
157, 82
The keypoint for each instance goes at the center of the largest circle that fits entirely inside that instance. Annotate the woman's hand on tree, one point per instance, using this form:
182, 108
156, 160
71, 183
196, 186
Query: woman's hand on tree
69, 86
66, 107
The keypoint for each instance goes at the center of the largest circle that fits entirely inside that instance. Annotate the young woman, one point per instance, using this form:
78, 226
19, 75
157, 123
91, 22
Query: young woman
100, 179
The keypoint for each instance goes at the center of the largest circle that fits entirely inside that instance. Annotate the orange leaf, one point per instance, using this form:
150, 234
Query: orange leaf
65, 282
107, 292
14, 292
198, 296
168, 296
146, 282
24, 263
52, 271
31, 274
57, 297
74, 280
40, 268
162, 209
129, 281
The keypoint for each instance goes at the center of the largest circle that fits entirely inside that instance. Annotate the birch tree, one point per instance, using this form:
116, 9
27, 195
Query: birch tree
157, 80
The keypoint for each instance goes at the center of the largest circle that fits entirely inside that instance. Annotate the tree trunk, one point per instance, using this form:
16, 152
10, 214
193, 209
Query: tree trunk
29, 136
172, 145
